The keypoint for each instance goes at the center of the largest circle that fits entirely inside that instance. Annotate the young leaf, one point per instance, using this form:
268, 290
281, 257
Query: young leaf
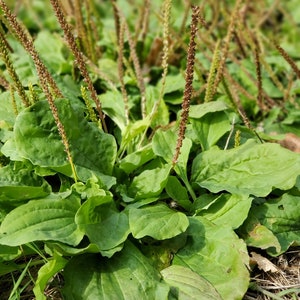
186, 284
164, 144
217, 254
198, 111
42, 220
127, 275
210, 128
149, 183
249, 169
161, 252
46, 272
136, 159
113, 106
157, 221
133, 130
99, 218
178, 193
161, 117
229, 210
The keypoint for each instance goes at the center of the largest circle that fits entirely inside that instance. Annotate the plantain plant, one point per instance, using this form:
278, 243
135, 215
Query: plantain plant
138, 155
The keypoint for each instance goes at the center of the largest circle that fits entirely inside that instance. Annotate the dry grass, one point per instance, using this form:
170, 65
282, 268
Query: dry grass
283, 284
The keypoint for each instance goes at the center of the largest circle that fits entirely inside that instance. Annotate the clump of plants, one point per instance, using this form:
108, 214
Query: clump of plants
140, 147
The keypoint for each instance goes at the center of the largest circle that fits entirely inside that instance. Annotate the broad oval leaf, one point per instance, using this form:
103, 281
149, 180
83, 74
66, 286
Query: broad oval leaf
249, 169
278, 216
35, 130
127, 275
136, 159
42, 220
210, 128
113, 105
53, 57
149, 183
161, 117
230, 210
21, 184
158, 221
178, 193
217, 254
164, 145
99, 218
198, 111
173, 83
187, 285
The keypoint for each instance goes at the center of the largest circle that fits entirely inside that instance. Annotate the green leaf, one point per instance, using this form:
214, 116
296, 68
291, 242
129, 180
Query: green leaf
149, 183
217, 254
229, 210
186, 284
7, 115
91, 188
157, 221
249, 169
46, 272
42, 220
53, 56
9, 253
9, 267
18, 183
109, 67
210, 128
131, 131
161, 117
98, 218
200, 110
164, 145
127, 275
173, 83
257, 235
113, 105
281, 217
178, 192
161, 252
35, 130
9, 149
65, 250
23, 64
136, 159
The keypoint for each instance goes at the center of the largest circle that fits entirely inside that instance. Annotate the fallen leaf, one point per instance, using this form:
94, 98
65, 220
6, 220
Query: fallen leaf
263, 263
291, 142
